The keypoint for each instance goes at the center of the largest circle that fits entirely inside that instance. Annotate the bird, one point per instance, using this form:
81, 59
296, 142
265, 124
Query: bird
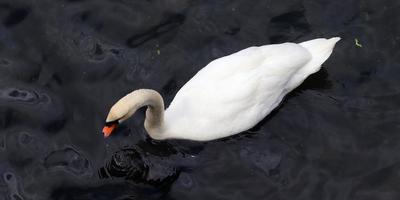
229, 95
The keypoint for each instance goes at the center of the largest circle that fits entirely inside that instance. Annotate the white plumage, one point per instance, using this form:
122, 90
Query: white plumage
233, 93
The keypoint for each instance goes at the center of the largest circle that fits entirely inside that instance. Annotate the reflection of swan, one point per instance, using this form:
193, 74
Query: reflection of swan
229, 95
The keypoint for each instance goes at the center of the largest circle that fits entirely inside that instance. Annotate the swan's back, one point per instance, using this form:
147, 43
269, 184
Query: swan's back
233, 93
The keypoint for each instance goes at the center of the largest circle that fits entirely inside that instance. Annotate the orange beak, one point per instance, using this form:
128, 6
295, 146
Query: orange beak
108, 129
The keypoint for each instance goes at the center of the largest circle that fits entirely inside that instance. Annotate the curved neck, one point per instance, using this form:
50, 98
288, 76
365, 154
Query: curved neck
154, 122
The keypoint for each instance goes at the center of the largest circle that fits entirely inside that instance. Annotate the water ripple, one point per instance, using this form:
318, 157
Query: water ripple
25, 147
29, 105
69, 160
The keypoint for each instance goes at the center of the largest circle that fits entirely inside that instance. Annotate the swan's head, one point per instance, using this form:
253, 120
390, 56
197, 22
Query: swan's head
118, 113
130, 103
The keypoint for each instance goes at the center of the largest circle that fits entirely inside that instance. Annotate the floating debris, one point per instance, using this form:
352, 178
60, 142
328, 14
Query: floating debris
357, 42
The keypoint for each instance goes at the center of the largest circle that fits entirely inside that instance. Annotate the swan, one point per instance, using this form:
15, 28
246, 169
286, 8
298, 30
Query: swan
229, 95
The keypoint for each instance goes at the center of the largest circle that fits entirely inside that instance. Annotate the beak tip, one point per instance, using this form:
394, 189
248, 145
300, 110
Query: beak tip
107, 130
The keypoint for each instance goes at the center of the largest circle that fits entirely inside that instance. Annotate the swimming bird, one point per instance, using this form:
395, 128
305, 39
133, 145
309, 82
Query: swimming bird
229, 95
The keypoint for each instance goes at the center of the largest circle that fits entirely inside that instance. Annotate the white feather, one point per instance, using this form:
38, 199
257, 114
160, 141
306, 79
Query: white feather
233, 93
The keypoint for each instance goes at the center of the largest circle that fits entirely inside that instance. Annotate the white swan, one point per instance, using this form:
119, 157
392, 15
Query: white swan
230, 95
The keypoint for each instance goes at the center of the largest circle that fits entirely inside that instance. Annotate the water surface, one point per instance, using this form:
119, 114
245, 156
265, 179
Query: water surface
64, 63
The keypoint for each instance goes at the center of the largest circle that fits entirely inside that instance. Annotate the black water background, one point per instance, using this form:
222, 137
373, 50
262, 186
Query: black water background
64, 63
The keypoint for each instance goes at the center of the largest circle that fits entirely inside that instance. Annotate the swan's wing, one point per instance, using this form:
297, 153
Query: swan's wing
274, 59
233, 93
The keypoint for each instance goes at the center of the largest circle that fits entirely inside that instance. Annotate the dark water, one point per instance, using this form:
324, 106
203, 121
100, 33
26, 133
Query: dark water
64, 63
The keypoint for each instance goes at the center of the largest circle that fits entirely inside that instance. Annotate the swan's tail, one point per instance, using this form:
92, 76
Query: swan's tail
320, 50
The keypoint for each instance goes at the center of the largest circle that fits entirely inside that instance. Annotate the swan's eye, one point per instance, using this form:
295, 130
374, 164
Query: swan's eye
109, 127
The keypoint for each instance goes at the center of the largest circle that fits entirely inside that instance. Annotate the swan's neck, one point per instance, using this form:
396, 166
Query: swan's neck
154, 122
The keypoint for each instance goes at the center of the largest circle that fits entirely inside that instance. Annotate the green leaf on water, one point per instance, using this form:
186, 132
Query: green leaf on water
357, 42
